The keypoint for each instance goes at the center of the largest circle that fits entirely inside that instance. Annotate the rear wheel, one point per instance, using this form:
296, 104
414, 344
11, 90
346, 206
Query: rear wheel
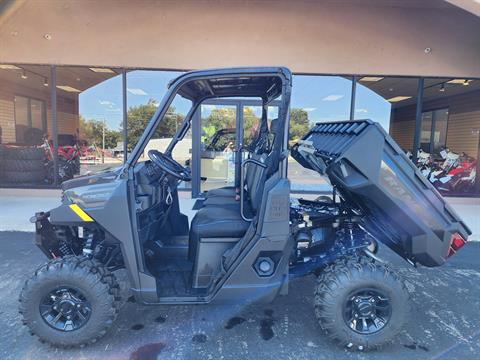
71, 301
361, 303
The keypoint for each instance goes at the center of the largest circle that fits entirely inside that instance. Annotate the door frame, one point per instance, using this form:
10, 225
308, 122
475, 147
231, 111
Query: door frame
197, 133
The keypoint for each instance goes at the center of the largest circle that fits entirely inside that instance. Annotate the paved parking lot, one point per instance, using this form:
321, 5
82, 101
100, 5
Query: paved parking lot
445, 321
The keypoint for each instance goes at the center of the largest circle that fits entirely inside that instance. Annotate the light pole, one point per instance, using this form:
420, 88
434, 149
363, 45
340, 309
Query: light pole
103, 141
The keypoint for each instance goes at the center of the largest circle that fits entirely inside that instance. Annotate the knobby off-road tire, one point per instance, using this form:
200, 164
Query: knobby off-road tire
23, 165
360, 278
25, 153
89, 281
34, 176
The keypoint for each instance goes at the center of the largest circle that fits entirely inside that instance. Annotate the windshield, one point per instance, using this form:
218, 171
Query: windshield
169, 125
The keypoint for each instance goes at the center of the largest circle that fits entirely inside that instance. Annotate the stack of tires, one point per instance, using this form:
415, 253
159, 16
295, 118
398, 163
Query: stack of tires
2, 152
23, 165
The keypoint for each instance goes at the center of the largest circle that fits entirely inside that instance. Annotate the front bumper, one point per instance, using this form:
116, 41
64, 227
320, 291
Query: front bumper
45, 237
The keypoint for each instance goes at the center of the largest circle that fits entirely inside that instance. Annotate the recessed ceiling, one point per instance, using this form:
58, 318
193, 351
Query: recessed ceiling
68, 77
434, 88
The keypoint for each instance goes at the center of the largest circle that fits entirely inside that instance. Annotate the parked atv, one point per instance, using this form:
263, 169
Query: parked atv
247, 250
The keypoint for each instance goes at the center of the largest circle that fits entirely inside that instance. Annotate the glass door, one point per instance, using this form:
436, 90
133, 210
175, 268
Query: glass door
434, 130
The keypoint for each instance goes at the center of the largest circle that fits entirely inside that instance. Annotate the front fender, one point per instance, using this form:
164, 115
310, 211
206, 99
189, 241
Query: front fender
70, 214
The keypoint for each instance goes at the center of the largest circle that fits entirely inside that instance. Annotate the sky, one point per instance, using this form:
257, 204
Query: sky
325, 98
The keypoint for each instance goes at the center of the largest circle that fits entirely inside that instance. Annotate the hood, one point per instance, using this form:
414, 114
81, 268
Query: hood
101, 177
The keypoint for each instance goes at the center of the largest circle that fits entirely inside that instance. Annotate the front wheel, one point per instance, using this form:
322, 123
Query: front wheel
70, 301
361, 303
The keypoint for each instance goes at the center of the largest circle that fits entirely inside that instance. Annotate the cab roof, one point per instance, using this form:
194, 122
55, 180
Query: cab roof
264, 82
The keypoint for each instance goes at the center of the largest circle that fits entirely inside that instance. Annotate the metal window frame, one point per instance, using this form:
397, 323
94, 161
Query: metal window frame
196, 125
239, 104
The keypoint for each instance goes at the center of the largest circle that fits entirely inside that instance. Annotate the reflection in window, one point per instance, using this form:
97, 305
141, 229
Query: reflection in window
145, 90
139, 116
372, 105
252, 115
100, 116
315, 99
218, 143
30, 122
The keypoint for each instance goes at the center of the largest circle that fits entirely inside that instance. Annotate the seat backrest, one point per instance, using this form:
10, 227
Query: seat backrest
256, 176
256, 181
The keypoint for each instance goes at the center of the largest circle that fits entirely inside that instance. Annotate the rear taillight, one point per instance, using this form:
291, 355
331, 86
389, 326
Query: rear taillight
456, 243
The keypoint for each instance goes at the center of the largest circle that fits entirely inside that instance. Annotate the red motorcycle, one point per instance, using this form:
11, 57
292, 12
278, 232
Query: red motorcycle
68, 161
459, 179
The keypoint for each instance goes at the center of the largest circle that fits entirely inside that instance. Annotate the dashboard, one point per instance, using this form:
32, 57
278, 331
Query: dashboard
152, 186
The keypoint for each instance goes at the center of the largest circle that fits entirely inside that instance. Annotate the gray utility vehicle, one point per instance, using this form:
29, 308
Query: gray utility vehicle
246, 250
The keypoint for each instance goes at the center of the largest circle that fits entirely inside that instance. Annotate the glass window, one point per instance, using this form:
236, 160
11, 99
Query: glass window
315, 99
370, 104
218, 124
37, 113
453, 105
449, 120
434, 130
390, 101
167, 129
89, 113
145, 90
440, 131
21, 118
426, 131
252, 115
25, 95
30, 122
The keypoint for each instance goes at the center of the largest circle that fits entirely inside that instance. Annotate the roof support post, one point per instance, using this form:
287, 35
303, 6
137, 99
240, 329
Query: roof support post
125, 115
352, 98
418, 120
53, 104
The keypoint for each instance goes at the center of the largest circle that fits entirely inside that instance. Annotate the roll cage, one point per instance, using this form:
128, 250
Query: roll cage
267, 83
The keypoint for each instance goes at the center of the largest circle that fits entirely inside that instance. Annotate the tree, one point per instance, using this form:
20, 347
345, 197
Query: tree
225, 118
92, 132
139, 116
299, 124
222, 118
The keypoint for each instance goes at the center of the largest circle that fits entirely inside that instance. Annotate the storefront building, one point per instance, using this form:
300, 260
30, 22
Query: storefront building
78, 87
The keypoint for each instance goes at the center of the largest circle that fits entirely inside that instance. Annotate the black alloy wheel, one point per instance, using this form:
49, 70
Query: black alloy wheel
65, 309
367, 311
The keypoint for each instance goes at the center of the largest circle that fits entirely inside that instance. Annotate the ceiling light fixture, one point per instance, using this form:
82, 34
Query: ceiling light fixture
9, 67
442, 87
102, 70
457, 81
24, 74
371, 78
68, 88
398, 98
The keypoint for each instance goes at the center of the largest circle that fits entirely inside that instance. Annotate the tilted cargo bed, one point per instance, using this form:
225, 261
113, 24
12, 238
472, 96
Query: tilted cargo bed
371, 172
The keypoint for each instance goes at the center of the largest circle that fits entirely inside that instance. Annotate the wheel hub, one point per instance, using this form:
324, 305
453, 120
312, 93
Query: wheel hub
65, 309
367, 311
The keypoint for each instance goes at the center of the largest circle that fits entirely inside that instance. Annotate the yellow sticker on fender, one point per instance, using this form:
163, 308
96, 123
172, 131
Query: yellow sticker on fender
81, 214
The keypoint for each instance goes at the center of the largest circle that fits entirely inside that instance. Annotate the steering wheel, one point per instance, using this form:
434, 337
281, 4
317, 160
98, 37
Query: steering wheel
170, 166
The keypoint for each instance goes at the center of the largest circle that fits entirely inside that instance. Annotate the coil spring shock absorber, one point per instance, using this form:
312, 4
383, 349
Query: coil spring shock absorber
87, 249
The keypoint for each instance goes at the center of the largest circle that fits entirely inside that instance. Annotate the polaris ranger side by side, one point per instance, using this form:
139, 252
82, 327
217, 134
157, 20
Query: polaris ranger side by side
245, 242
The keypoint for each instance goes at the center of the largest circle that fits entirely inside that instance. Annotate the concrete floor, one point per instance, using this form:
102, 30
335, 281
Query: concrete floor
444, 323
